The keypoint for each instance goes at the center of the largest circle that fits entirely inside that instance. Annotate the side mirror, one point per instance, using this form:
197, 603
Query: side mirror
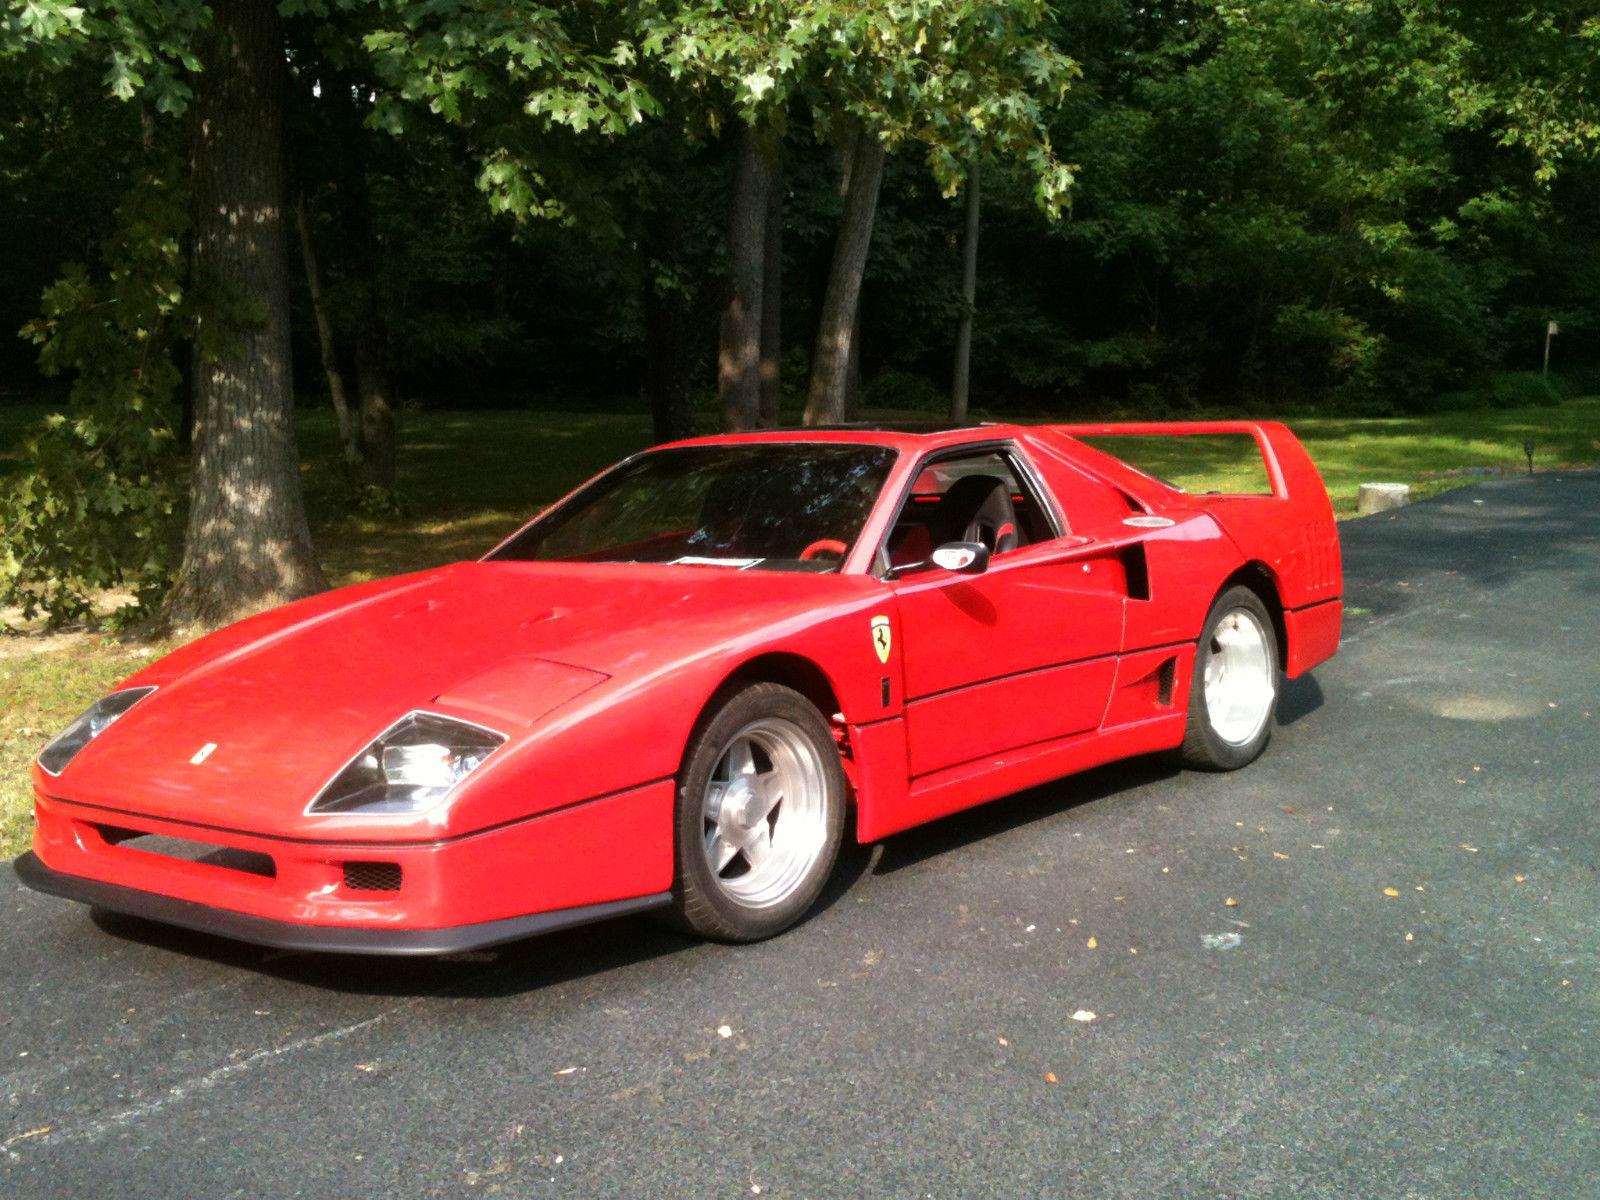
964, 558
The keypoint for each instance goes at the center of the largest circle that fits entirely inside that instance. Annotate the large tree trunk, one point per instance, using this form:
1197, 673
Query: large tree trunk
772, 303
827, 396
349, 434
969, 299
739, 361
247, 545
666, 327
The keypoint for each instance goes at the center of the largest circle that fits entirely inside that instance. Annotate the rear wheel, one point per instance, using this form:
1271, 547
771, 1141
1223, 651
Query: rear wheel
760, 815
1234, 693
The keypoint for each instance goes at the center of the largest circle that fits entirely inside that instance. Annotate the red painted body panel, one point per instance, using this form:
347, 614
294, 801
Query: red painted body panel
1064, 654
1313, 635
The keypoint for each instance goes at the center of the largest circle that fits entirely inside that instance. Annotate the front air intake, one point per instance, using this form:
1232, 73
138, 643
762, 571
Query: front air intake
372, 876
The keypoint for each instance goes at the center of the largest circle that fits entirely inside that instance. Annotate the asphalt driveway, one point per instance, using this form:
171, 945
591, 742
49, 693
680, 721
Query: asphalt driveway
1365, 967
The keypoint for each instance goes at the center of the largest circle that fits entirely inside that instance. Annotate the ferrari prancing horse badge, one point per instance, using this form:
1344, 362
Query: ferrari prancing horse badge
882, 638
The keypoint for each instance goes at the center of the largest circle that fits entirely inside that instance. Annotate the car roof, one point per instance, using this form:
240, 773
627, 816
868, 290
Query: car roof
898, 435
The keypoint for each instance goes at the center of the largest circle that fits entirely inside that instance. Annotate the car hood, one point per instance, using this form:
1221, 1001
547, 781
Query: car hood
289, 697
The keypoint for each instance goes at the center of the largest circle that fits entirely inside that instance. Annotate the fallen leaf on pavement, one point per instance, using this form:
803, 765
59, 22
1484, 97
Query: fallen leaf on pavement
1093, 945
1231, 902
1083, 1014
1391, 892
1050, 1077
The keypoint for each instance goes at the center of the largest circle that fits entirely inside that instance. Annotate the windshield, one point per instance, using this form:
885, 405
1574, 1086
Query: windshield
787, 506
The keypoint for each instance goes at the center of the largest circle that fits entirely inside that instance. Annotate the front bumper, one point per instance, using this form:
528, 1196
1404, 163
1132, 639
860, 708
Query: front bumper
593, 860
330, 939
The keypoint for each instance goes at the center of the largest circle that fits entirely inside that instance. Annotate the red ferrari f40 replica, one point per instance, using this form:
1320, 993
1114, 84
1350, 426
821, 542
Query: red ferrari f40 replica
683, 685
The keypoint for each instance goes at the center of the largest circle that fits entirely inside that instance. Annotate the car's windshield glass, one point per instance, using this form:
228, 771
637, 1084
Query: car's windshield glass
770, 505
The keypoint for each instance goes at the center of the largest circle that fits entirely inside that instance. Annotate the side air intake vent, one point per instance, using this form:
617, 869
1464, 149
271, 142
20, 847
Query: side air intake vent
1165, 678
372, 876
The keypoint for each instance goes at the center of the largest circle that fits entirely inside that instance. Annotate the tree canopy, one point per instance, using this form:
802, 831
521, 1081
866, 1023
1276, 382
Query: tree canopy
746, 213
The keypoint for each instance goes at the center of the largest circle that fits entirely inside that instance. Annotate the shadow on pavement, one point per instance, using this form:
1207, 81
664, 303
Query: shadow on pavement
1301, 697
989, 820
501, 971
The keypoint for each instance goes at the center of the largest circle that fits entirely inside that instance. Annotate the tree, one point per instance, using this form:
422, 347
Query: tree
838, 327
955, 77
740, 360
247, 545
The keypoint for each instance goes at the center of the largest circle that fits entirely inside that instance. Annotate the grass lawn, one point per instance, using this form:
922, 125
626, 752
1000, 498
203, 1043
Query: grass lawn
469, 478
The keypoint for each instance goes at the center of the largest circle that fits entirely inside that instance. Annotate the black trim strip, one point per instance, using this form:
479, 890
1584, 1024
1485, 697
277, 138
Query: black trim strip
1316, 604
1071, 662
899, 716
327, 939
962, 687
305, 841
1064, 739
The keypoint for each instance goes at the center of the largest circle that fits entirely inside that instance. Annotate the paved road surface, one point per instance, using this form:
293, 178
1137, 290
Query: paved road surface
897, 1044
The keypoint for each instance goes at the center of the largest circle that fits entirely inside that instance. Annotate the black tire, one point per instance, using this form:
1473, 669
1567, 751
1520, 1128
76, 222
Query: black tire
1204, 748
706, 903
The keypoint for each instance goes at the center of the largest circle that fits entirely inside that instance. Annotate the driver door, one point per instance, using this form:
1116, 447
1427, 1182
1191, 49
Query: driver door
1017, 656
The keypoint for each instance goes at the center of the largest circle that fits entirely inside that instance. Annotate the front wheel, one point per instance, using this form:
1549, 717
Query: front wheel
760, 815
1234, 693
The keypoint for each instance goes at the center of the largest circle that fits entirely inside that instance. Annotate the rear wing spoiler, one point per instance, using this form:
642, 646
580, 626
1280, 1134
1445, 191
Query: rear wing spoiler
1292, 532
1290, 471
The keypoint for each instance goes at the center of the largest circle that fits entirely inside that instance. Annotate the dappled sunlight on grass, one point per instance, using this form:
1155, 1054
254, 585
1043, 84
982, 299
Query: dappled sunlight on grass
466, 480
44, 683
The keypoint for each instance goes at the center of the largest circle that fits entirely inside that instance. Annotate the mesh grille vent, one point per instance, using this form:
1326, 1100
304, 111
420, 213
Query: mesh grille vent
372, 876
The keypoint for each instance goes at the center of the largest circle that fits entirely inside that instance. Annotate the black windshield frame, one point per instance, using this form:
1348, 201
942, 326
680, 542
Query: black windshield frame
847, 481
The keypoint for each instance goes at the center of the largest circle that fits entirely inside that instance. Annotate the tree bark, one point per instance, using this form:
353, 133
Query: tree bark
739, 361
827, 396
772, 303
349, 434
969, 299
247, 545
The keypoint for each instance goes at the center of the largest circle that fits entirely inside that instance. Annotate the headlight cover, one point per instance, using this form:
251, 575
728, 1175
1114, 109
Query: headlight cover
409, 768
99, 717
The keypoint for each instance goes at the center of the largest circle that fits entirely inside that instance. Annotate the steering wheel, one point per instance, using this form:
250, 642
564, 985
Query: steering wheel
824, 546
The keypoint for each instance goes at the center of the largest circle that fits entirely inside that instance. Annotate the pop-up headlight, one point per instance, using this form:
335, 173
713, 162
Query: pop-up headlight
99, 718
412, 766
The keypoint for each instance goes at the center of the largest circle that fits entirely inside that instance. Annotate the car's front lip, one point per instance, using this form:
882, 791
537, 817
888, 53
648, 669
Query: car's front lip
543, 872
333, 939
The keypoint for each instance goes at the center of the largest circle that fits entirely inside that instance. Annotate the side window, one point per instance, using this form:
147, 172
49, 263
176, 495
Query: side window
977, 497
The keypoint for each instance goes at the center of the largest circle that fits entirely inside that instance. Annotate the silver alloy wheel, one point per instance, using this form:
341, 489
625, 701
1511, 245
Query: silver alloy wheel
766, 813
1240, 679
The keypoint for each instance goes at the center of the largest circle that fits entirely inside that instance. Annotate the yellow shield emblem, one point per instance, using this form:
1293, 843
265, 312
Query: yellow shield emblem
882, 637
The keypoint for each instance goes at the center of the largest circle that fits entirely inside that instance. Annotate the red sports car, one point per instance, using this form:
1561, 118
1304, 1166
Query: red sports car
680, 687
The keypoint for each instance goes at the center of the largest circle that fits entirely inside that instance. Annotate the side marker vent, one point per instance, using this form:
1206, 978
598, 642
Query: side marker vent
1166, 676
